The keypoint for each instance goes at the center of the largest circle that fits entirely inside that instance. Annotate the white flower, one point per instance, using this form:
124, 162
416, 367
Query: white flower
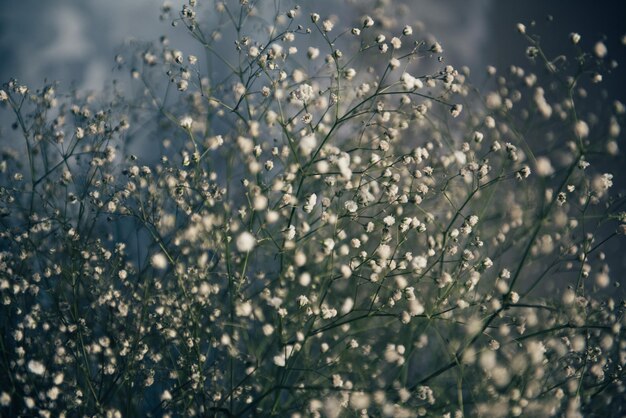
186, 122
409, 82
280, 360
407, 31
159, 261
260, 202
368, 22
166, 396
302, 300
328, 244
290, 233
523, 173
582, 129
487, 263
351, 206
600, 50
3, 96
253, 52
310, 203
389, 220
384, 251
245, 242
307, 144
396, 42
304, 92
456, 110
313, 53
607, 181
544, 167
349, 73
36, 367
574, 38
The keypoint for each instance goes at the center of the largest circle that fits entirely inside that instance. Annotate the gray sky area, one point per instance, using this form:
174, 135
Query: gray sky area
75, 41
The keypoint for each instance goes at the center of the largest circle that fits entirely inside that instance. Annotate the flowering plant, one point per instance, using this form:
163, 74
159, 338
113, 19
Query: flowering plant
325, 230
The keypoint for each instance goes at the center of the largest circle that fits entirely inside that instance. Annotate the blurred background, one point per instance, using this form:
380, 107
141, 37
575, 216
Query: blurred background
75, 41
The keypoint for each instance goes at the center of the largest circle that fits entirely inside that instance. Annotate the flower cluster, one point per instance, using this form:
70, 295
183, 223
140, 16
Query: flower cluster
319, 231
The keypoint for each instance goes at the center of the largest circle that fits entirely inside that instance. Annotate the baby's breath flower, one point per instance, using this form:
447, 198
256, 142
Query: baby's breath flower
186, 122
310, 203
305, 92
436, 48
523, 173
456, 110
36, 367
349, 73
166, 396
600, 50
574, 38
313, 52
581, 129
245, 242
5, 399
327, 25
544, 167
182, 85
159, 261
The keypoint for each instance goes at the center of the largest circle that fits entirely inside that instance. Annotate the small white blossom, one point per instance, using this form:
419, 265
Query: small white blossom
166, 396
600, 50
245, 242
456, 110
313, 53
36, 367
351, 206
186, 122
327, 25
159, 261
310, 203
